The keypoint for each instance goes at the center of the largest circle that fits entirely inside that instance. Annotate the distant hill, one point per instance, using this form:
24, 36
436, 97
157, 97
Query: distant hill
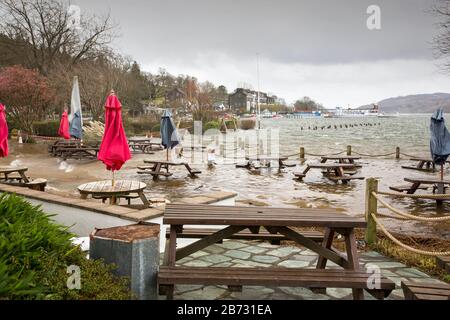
419, 103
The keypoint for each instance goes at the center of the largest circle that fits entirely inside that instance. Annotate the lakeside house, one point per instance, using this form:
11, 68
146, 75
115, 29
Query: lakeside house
245, 99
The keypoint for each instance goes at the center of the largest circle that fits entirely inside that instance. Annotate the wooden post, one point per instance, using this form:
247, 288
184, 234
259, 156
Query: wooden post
302, 153
349, 150
371, 207
397, 153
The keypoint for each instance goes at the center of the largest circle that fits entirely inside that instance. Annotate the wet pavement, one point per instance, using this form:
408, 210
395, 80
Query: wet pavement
234, 253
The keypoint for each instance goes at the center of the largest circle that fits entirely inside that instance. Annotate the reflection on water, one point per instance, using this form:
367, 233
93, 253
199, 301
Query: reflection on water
271, 187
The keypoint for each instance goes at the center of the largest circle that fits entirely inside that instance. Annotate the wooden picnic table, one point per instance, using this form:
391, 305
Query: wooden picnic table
78, 153
145, 145
250, 162
157, 166
121, 188
16, 176
54, 148
423, 164
440, 186
280, 221
333, 171
9, 171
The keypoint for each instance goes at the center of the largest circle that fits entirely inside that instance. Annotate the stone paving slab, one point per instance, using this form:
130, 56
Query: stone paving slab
262, 254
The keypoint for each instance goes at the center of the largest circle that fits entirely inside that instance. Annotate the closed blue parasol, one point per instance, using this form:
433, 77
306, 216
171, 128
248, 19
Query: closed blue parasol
75, 117
440, 139
169, 136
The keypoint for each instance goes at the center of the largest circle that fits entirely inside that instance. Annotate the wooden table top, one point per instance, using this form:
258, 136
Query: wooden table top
330, 165
170, 163
9, 169
425, 159
259, 158
426, 180
105, 187
183, 214
340, 157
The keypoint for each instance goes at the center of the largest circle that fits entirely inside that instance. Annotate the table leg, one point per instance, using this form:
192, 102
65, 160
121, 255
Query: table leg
84, 196
323, 161
306, 170
420, 164
24, 177
144, 198
322, 261
327, 242
413, 188
353, 261
113, 200
172, 257
157, 171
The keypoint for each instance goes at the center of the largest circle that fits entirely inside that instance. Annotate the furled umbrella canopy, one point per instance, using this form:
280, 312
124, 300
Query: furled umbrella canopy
76, 117
169, 136
114, 150
440, 138
3, 132
64, 126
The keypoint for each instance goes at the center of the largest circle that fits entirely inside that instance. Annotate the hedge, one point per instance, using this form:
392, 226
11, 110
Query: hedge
35, 253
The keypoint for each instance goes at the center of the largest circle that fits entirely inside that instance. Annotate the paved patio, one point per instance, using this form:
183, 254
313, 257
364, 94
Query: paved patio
233, 253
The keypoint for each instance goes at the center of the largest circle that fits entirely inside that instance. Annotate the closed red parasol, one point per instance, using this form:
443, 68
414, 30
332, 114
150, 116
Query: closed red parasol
3, 132
114, 150
64, 126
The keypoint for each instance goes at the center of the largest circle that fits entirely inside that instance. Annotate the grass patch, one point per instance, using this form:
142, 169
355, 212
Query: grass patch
427, 264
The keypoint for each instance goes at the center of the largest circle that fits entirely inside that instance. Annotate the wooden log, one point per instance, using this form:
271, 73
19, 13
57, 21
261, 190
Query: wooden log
371, 207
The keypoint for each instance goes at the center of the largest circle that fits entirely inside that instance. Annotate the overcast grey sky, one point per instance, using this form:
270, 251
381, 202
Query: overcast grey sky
321, 48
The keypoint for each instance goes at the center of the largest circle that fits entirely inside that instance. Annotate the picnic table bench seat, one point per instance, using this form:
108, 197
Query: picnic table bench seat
444, 263
198, 233
283, 277
38, 184
345, 178
154, 173
425, 291
406, 187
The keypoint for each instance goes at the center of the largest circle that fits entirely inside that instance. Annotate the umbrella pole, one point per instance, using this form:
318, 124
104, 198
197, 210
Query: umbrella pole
113, 182
167, 154
442, 172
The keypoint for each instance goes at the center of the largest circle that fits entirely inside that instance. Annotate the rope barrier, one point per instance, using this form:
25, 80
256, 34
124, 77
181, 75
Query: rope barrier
407, 215
408, 155
417, 196
405, 246
373, 155
384, 215
324, 155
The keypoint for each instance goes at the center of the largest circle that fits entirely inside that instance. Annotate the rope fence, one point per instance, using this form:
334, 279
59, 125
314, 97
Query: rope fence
373, 196
405, 246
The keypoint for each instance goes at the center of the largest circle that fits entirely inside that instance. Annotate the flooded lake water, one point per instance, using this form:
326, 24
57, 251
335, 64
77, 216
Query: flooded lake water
272, 187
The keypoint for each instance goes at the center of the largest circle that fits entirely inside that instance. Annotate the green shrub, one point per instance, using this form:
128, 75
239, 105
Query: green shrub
140, 126
156, 128
211, 125
47, 128
35, 253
